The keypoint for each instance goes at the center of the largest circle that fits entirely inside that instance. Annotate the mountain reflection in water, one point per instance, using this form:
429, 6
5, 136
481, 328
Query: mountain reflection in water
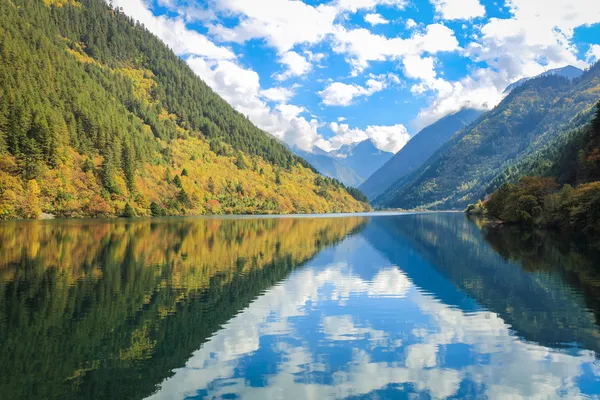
349, 307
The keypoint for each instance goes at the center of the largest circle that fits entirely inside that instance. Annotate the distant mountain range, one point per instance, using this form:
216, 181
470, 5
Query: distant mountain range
417, 151
569, 72
330, 167
351, 164
531, 116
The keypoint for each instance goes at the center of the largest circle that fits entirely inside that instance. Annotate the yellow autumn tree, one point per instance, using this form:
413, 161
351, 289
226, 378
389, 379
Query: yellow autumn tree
31, 205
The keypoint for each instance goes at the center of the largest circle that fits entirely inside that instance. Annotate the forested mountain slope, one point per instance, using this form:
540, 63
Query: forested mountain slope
98, 117
417, 151
559, 157
530, 116
539, 199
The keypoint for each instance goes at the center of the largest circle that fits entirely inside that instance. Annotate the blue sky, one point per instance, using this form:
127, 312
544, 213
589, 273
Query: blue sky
332, 72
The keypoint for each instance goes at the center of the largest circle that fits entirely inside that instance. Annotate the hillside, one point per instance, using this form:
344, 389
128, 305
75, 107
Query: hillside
528, 118
417, 151
98, 117
574, 162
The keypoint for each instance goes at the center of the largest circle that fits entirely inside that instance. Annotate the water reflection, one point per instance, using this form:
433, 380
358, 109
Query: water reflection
109, 309
425, 305
341, 328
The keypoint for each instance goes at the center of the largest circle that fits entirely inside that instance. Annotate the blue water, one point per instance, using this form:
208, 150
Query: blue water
394, 306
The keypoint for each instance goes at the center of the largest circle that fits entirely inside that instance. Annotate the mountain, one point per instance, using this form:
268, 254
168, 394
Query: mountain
364, 158
351, 164
569, 72
460, 172
417, 151
330, 167
98, 117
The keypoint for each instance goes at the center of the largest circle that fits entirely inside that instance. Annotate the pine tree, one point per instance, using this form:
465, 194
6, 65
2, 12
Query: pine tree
177, 181
128, 161
278, 177
3, 130
211, 185
106, 174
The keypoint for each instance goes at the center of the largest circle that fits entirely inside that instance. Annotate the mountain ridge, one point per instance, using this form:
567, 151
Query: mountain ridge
568, 71
461, 170
416, 151
351, 164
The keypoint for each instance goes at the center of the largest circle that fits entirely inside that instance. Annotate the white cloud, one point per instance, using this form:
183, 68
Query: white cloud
283, 24
458, 9
315, 57
290, 111
342, 328
410, 23
481, 90
387, 138
532, 41
278, 94
343, 94
593, 53
302, 133
376, 19
296, 65
355, 5
416, 67
362, 46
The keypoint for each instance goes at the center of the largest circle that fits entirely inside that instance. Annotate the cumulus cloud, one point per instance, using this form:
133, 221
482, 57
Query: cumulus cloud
361, 46
533, 40
410, 23
355, 5
593, 53
458, 9
283, 24
342, 94
296, 65
376, 19
483, 89
386, 138
277, 94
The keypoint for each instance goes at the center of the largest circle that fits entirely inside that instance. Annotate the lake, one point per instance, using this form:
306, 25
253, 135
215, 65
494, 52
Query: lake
365, 306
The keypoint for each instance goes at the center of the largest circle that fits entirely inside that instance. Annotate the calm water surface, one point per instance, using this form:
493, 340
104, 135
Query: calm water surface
393, 306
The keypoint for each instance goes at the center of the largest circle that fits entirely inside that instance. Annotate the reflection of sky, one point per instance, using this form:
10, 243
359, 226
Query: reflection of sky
352, 324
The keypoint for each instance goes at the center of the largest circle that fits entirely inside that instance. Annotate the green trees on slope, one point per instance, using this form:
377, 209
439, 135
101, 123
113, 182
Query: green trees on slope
524, 122
538, 200
93, 107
